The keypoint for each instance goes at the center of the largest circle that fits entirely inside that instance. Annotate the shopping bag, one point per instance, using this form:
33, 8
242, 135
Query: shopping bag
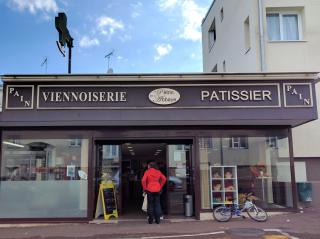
145, 202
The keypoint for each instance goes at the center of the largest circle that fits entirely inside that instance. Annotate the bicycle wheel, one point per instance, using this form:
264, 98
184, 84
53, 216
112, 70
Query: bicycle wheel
222, 214
257, 214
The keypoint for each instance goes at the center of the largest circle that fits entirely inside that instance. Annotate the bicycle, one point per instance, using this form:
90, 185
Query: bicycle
225, 213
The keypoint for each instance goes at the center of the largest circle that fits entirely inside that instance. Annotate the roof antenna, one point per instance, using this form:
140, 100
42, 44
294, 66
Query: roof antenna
45, 62
110, 70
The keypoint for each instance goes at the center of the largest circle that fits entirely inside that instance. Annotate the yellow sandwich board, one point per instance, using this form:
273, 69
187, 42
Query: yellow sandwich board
106, 202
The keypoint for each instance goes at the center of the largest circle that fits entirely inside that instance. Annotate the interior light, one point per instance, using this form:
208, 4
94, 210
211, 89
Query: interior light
13, 144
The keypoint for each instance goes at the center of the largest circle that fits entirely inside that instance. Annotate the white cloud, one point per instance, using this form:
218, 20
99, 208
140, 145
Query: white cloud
108, 26
122, 59
33, 6
87, 42
137, 8
125, 37
162, 50
192, 15
166, 4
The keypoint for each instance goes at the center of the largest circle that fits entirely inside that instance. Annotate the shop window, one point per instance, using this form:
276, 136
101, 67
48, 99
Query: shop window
212, 34
238, 142
284, 26
257, 169
50, 175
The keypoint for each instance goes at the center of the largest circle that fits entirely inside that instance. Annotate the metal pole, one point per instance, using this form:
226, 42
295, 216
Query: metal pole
69, 61
261, 36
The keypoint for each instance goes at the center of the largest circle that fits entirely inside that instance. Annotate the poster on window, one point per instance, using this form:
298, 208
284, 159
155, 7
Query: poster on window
71, 170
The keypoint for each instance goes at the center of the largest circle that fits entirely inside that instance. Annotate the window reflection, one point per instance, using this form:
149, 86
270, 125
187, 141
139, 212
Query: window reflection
51, 174
41, 160
262, 167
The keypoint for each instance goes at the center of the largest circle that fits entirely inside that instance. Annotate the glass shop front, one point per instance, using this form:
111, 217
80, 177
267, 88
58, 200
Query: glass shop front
215, 142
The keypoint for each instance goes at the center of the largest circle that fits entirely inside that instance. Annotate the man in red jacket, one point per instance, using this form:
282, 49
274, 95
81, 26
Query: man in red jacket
152, 183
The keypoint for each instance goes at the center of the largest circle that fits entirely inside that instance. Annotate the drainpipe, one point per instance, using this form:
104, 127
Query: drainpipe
261, 36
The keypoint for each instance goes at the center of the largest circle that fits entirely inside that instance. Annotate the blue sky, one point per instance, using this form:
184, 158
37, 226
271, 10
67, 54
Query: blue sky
147, 36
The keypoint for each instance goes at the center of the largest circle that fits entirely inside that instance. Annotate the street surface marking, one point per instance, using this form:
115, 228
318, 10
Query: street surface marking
185, 235
280, 231
275, 237
283, 236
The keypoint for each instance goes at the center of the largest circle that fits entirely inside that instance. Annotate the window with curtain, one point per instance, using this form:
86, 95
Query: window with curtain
283, 26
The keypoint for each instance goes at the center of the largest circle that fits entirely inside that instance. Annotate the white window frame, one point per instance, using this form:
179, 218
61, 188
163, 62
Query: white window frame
281, 14
273, 142
206, 143
75, 142
112, 151
236, 142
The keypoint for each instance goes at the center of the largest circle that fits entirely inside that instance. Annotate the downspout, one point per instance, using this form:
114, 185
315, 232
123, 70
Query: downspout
261, 37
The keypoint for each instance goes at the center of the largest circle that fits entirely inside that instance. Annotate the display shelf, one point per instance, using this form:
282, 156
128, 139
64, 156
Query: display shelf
222, 178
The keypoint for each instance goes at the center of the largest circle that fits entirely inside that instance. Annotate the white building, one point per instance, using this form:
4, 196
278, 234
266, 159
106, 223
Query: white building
269, 36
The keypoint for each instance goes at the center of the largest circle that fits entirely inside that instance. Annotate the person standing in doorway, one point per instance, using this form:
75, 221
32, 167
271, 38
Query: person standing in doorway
152, 183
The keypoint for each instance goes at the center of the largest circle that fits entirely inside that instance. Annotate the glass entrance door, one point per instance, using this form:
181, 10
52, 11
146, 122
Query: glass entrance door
108, 168
179, 176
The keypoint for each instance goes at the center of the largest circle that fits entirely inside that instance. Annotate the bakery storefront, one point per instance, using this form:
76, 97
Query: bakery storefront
214, 136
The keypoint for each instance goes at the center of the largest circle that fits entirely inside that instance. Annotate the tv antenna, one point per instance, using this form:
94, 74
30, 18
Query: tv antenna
45, 62
108, 56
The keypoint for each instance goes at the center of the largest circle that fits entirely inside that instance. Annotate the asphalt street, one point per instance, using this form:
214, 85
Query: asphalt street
291, 225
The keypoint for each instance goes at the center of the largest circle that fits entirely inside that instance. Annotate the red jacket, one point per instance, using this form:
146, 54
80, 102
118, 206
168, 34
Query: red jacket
153, 180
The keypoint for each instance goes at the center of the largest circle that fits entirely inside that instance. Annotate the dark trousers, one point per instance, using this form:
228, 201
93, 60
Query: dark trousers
154, 208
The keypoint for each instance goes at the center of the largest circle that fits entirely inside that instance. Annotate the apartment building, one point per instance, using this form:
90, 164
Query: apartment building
269, 36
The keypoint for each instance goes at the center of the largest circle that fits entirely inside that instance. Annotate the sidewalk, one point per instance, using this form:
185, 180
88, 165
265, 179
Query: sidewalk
302, 225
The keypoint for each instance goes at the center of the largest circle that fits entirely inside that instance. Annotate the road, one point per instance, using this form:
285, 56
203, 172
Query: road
296, 225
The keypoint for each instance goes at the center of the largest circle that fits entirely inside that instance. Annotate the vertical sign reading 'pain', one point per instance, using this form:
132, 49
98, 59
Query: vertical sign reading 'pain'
19, 97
